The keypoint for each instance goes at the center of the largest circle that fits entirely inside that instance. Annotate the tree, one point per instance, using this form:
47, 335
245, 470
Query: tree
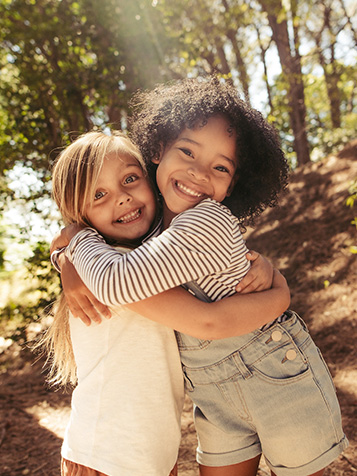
329, 22
291, 66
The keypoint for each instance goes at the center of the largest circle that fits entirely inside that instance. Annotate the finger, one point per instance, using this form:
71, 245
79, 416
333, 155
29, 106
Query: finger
246, 282
252, 255
251, 288
81, 307
77, 312
90, 311
85, 319
101, 308
96, 309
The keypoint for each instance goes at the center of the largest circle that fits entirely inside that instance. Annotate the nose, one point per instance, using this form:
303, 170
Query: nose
123, 198
199, 172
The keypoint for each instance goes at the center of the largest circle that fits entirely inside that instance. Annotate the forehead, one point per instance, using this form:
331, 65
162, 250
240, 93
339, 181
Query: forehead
215, 133
121, 158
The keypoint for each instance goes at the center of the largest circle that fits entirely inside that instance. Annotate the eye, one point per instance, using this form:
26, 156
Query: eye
99, 195
186, 152
222, 168
131, 178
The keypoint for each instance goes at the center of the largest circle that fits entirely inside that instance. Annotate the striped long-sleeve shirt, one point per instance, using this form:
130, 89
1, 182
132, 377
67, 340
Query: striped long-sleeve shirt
203, 244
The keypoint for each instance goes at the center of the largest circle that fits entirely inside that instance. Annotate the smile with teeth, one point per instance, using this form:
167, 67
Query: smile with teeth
130, 216
189, 191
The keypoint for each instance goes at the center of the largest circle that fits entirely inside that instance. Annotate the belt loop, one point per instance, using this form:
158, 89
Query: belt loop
246, 373
302, 322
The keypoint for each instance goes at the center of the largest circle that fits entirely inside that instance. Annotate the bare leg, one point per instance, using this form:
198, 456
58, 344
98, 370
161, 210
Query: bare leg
319, 473
174, 471
246, 468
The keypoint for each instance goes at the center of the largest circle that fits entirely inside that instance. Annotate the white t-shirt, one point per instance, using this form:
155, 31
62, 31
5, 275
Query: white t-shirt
126, 409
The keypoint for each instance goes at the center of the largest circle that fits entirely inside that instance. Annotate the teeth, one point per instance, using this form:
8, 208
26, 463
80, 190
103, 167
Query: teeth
130, 216
189, 191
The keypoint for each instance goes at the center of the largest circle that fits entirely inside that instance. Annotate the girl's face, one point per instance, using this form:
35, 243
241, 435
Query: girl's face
200, 163
124, 205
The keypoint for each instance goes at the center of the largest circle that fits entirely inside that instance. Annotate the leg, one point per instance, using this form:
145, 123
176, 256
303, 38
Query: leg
246, 468
68, 468
319, 473
174, 471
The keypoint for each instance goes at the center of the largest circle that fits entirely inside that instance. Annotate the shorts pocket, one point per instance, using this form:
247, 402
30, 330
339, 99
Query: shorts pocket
285, 364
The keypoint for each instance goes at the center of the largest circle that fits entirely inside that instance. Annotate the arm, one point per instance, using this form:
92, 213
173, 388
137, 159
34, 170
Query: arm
80, 301
231, 316
186, 251
177, 308
83, 304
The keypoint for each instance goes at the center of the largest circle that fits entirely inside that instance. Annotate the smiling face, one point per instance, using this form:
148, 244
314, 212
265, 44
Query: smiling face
200, 163
124, 206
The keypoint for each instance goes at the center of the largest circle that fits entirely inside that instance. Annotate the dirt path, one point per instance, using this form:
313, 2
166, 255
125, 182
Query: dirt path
308, 238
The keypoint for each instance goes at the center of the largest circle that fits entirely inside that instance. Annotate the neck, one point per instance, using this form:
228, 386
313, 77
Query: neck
168, 215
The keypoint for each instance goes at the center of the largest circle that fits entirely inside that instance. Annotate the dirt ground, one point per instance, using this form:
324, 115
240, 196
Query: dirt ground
308, 239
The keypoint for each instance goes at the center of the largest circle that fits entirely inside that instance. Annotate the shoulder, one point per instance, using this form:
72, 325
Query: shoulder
208, 210
209, 219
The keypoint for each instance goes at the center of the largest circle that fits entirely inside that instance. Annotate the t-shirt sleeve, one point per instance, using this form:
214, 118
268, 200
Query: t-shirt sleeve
198, 243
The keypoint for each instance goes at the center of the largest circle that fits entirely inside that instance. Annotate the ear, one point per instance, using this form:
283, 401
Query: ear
157, 158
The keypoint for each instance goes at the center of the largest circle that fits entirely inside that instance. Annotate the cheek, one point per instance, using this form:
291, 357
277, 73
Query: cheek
148, 195
165, 169
96, 214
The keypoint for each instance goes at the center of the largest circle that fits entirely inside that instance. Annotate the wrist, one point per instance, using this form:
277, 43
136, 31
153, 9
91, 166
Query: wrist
57, 258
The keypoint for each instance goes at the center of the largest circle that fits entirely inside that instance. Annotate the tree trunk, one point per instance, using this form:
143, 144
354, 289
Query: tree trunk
332, 76
242, 70
241, 67
263, 51
291, 67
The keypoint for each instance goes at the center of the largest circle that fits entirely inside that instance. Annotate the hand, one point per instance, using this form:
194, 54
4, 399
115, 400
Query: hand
259, 277
81, 302
64, 236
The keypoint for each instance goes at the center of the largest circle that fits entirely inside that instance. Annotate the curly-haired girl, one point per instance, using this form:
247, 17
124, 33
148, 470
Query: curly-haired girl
161, 115
212, 157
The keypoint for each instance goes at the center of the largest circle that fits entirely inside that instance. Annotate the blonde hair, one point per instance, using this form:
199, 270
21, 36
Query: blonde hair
74, 178
76, 171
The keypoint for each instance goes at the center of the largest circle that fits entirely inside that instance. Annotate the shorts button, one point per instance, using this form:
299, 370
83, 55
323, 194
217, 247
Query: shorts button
276, 336
291, 354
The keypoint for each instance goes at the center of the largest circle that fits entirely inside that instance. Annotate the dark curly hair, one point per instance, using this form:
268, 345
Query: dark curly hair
160, 115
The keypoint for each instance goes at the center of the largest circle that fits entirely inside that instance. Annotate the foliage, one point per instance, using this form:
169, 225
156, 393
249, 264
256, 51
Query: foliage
39, 288
67, 66
350, 202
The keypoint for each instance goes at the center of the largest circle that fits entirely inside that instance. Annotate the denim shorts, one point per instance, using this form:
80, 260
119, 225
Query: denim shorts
265, 392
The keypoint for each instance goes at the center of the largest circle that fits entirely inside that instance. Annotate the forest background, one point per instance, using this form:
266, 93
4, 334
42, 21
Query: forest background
71, 66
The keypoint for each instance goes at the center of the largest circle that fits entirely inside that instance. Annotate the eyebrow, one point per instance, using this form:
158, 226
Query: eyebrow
134, 164
190, 141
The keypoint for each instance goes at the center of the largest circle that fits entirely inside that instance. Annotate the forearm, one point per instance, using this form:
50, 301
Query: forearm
158, 265
233, 316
